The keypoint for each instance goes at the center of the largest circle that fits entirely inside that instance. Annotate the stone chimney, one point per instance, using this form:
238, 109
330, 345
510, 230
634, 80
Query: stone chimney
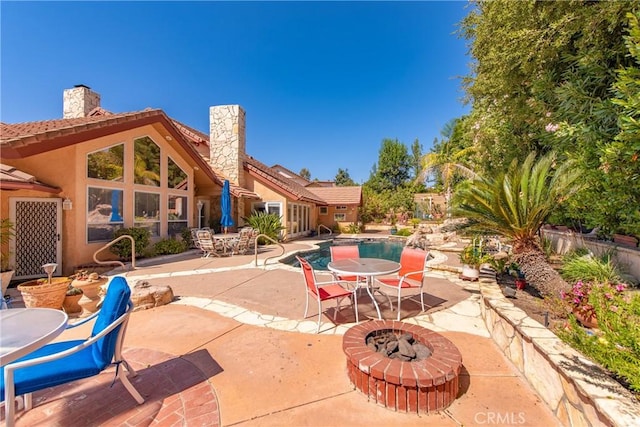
227, 141
79, 101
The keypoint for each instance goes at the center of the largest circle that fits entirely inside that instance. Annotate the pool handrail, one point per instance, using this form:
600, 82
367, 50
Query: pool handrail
321, 226
255, 249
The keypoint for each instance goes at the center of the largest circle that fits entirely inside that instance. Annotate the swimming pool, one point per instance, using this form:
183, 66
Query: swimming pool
369, 248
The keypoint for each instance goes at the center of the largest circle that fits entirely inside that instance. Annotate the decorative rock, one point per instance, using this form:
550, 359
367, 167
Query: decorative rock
146, 296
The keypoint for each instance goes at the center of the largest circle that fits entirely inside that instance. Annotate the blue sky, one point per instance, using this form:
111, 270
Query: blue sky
322, 83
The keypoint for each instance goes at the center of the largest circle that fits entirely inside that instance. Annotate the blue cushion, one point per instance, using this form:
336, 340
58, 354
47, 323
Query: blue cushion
79, 365
83, 364
114, 305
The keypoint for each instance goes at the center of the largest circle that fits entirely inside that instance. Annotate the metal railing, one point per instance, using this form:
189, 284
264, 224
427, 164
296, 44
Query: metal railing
321, 226
111, 243
255, 249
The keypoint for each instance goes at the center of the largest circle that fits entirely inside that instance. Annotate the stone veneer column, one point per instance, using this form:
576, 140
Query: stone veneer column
227, 140
79, 101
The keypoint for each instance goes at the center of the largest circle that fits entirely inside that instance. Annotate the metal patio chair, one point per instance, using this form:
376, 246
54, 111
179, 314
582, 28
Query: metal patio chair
67, 361
324, 291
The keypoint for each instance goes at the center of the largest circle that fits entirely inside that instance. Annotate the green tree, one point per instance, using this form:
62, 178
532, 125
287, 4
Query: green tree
445, 160
416, 158
304, 172
515, 204
343, 179
392, 169
552, 87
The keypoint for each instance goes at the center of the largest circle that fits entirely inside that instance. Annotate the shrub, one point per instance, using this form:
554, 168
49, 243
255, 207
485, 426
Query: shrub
141, 236
472, 256
616, 343
404, 232
169, 247
352, 228
589, 268
268, 224
187, 237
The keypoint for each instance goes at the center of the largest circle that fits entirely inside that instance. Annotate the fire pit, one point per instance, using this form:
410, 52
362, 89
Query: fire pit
423, 384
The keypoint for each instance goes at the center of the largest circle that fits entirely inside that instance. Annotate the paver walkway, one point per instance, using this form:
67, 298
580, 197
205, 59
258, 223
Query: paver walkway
232, 350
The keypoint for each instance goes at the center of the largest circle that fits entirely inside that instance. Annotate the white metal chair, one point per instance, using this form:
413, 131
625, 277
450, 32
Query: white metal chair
63, 362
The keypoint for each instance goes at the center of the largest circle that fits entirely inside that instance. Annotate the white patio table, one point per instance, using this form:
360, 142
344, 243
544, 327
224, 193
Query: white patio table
24, 330
365, 267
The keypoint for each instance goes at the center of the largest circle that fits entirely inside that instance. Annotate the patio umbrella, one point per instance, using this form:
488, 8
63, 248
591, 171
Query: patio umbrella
225, 206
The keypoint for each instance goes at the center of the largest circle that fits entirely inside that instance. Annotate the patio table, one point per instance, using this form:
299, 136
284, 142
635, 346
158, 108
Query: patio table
25, 330
367, 268
227, 240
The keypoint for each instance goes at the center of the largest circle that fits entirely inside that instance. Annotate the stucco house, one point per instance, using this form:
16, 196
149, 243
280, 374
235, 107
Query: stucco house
68, 183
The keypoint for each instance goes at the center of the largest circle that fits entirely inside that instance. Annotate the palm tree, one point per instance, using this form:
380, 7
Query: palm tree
515, 204
445, 160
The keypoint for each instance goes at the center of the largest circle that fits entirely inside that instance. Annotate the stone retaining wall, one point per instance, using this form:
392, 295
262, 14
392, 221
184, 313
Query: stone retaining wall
577, 391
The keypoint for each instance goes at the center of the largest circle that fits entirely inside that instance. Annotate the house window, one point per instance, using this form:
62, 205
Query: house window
324, 210
177, 215
147, 212
341, 208
269, 207
107, 164
146, 162
104, 213
339, 217
177, 178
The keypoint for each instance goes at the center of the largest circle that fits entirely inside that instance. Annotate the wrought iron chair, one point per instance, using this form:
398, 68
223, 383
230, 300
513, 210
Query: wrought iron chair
323, 291
413, 266
64, 362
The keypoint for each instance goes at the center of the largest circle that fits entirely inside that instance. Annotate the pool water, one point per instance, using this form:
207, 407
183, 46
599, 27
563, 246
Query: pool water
368, 249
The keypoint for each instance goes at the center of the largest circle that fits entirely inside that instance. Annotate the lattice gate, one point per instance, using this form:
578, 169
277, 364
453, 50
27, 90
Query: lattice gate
38, 231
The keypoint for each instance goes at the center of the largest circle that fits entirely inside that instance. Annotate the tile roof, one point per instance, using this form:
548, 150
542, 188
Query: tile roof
15, 179
288, 173
339, 195
29, 138
289, 186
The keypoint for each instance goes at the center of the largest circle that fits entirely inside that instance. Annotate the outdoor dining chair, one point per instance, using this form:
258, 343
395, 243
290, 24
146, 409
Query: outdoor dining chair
346, 252
67, 361
246, 241
413, 266
208, 245
324, 291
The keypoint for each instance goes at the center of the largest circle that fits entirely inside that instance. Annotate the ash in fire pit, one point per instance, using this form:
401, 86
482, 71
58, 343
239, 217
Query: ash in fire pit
397, 346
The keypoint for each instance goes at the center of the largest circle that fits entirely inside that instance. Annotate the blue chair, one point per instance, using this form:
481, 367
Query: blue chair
68, 361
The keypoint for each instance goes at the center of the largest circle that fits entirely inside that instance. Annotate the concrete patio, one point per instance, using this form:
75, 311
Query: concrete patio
233, 350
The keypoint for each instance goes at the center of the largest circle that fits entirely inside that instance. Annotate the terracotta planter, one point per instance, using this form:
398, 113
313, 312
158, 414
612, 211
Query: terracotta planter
624, 240
42, 294
586, 321
5, 278
91, 293
70, 304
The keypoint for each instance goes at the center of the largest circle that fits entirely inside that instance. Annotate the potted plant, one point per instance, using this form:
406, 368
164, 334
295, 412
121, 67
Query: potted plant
90, 284
6, 272
45, 293
471, 258
70, 303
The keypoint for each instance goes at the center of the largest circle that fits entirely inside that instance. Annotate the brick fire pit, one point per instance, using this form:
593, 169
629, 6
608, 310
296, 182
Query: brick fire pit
422, 386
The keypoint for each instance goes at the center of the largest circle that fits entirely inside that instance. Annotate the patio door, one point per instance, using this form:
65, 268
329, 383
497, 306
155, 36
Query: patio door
38, 235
